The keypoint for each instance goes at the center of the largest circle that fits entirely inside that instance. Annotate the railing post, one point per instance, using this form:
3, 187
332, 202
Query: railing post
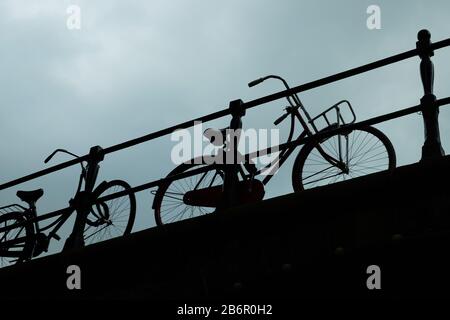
432, 146
83, 201
231, 178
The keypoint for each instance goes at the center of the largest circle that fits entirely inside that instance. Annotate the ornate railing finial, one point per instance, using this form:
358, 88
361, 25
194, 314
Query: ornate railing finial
432, 145
426, 65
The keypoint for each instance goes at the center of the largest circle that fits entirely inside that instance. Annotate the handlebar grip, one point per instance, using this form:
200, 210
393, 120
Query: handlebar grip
280, 119
255, 82
50, 156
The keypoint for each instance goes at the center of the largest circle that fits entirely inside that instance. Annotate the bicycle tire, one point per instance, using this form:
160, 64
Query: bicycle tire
26, 250
299, 169
100, 214
163, 189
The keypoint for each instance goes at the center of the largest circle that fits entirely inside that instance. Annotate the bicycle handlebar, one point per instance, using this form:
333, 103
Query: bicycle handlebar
59, 150
272, 76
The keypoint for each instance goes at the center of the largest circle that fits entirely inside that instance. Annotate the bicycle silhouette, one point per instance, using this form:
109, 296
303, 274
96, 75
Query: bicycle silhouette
342, 156
22, 237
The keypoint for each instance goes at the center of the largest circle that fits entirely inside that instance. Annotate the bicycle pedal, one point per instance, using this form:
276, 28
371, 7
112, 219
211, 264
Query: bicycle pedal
55, 236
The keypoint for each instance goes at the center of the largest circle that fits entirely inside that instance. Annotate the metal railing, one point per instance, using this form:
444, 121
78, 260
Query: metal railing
429, 106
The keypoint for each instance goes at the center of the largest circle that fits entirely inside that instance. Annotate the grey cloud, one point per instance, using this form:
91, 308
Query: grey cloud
139, 66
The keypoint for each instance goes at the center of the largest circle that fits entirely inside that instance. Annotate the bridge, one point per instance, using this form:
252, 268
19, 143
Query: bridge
315, 243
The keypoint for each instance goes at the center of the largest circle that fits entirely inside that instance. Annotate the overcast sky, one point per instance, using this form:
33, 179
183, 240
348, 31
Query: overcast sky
138, 66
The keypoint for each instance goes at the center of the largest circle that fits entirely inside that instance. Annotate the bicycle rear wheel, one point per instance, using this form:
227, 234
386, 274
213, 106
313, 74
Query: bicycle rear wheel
369, 151
22, 250
112, 218
170, 203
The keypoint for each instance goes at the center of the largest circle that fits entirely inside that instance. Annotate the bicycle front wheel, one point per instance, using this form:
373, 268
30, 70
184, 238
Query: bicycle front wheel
112, 218
364, 151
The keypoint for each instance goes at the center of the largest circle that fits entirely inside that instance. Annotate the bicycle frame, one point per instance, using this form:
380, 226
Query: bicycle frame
88, 178
293, 111
58, 223
227, 193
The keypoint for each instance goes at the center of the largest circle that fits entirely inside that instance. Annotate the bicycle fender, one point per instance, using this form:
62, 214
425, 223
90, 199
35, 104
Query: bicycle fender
101, 185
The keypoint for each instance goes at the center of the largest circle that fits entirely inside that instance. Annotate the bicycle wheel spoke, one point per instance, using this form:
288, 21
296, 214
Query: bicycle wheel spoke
171, 207
364, 151
369, 159
175, 197
322, 178
330, 167
369, 150
111, 218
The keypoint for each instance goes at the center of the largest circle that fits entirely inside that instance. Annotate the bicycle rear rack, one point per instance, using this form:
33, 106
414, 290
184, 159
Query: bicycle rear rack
11, 208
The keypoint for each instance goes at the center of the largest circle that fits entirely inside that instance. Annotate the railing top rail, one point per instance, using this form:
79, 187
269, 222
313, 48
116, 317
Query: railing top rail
246, 105
321, 135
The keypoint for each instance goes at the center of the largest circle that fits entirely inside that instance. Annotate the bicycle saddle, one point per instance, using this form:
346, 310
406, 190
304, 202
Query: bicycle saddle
30, 196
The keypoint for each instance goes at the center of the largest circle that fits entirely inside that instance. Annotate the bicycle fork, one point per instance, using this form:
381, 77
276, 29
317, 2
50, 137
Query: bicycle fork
339, 163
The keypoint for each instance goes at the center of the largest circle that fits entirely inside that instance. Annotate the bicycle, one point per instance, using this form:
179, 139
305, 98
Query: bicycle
22, 237
339, 157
